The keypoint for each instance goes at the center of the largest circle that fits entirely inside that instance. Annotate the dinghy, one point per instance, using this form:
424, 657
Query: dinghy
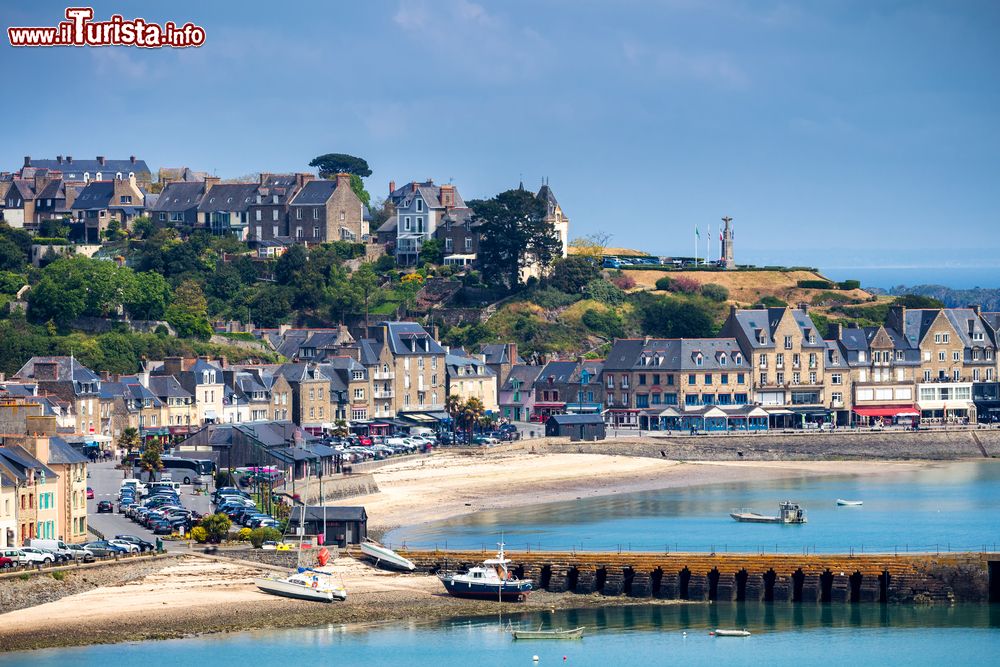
849, 503
731, 633
558, 633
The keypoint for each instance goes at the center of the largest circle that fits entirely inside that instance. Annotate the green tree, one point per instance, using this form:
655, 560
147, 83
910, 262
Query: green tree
605, 322
271, 306
216, 527
454, 405
266, 534
669, 318
365, 283
571, 274
188, 313
148, 296
53, 229
603, 291
715, 292
918, 301
291, 265
129, 441
152, 458
11, 282
12, 258
514, 236
331, 164
472, 413
358, 187
432, 252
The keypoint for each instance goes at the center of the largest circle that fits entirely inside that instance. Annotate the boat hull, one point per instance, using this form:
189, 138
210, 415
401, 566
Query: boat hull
509, 591
386, 558
576, 633
849, 503
754, 518
298, 592
732, 633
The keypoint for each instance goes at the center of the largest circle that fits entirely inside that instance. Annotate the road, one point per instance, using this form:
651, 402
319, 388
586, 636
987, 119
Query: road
105, 480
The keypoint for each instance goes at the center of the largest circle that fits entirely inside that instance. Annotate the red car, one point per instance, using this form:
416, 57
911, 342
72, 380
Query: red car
364, 441
6, 563
90, 493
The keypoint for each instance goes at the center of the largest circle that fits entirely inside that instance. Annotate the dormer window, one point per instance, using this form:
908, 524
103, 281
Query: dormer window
723, 360
699, 359
737, 358
118, 176
420, 205
100, 176
274, 199
260, 199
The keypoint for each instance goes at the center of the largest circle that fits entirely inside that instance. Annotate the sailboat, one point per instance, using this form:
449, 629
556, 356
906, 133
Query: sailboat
384, 555
305, 583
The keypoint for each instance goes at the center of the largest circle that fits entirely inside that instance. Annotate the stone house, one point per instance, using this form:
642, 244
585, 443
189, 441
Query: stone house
99, 169
418, 363
178, 203
269, 210
70, 381
225, 209
327, 210
469, 376
100, 202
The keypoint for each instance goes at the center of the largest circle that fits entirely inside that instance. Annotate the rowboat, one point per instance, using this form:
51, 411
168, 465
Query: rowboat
558, 633
384, 555
731, 633
849, 503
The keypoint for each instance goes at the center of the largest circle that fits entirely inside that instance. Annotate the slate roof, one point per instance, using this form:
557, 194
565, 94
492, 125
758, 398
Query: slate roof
526, 374
301, 372
916, 324
546, 195
370, 351
80, 373
460, 359
61, 452
17, 459
430, 192
228, 197
314, 193
834, 357
167, 386
557, 371
178, 197
966, 322
623, 354
96, 195
73, 171
676, 354
389, 225
331, 512
496, 353
409, 338
577, 419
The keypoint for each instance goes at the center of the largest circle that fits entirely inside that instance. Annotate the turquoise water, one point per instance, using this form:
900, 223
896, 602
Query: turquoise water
857, 635
948, 506
956, 277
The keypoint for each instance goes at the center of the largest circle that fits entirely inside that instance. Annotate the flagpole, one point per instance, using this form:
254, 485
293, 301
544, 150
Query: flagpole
708, 245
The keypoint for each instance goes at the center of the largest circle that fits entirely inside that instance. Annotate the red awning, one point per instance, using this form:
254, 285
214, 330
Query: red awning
886, 411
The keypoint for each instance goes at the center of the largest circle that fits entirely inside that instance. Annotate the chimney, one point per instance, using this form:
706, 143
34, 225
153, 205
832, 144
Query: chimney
300, 180
732, 310
804, 307
46, 371
392, 187
897, 319
512, 353
131, 158
69, 159
263, 178
38, 446
59, 159
344, 181
210, 182
173, 365
434, 332
105, 376
976, 308
100, 160
222, 362
40, 425
836, 330
27, 160
413, 186
448, 196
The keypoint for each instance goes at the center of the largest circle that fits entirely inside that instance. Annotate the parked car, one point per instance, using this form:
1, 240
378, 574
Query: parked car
90, 493
36, 555
104, 548
105, 506
269, 545
128, 546
81, 552
58, 547
15, 555
161, 527
7, 563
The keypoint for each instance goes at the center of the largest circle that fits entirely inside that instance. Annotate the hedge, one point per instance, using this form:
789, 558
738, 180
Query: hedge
815, 284
849, 284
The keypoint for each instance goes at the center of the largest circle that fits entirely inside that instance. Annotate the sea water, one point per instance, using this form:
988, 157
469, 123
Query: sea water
799, 635
941, 507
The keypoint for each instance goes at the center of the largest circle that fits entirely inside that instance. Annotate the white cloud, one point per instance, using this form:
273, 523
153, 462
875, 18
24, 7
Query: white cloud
712, 67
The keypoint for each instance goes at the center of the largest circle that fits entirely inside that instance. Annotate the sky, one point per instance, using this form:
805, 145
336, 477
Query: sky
850, 133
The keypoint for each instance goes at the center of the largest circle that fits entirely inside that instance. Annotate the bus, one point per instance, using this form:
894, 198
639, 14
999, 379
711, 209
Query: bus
185, 471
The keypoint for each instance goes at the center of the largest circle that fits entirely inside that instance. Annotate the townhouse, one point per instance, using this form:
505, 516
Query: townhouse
178, 202
516, 395
352, 391
468, 376
568, 387
327, 210
501, 357
225, 209
269, 209
71, 382
99, 169
36, 490
418, 366
8, 508
101, 202
310, 395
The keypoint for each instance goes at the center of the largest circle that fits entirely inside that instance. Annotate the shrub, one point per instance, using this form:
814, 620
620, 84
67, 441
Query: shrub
607, 322
58, 575
622, 281
815, 284
224, 478
849, 284
770, 302
260, 535
715, 292
216, 526
244, 535
199, 534
605, 292
572, 274
666, 283
550, 298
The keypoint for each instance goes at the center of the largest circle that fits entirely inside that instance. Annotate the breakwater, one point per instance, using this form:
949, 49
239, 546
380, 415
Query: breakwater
805, 579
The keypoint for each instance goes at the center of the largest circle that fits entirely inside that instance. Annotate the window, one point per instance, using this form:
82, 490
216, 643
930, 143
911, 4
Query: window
812, 378
274, 230
449, 244
788, 342
708, 378
781, 378
315, 214
836, 378
956, 356
762, 361
796, 360
420, 205
722, 359
274, 214
740, 378
316, 232
927, 376
942, 356
298, 214
779, 360
698, 359
641, 400
763, 379
692, 379
298, 232
468, 244
406, 223
257, 214
796, 378
670, 380
945, 338
956, 375
359, 394
837, 397
724, 378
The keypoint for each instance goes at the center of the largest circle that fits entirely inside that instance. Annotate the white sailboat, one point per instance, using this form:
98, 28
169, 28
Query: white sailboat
382, 554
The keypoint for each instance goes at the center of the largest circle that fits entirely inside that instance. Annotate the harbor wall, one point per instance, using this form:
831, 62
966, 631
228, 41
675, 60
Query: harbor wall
805, 579
780, 446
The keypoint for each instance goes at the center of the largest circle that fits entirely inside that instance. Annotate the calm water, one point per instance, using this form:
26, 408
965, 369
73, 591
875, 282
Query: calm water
857, 635
956, 277
945, 506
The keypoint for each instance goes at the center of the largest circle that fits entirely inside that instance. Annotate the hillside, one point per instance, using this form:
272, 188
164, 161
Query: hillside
748, 287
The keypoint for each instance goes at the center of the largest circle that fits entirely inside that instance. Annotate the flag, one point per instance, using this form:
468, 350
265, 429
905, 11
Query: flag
720, 236
697, 234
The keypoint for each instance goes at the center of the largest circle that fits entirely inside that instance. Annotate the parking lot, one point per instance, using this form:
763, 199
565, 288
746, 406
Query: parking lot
105, 480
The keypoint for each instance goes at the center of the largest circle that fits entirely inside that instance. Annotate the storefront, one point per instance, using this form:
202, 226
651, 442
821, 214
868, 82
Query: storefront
619, 417
875, 415
545, 410
986, 397
946, 403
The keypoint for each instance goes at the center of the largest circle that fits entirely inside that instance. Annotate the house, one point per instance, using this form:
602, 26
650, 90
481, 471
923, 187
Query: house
70, 381
8, 509
34, 195
36, 487
418, 367
517, 395
587, 427
459, 233
310, 387
352, 391
70, 467
326, 210
101, 202
178, 203
787, 355
167, 175
501, 357
225, 209
552, 387
309, 344
99, 169
468, 376
338, 525
269, 210
560, 223
421, 208
179, 412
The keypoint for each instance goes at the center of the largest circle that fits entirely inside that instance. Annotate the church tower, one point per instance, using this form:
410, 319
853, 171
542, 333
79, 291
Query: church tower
728, 261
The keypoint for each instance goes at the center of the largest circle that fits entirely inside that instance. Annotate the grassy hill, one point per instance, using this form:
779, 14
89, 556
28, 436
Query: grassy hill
748, 287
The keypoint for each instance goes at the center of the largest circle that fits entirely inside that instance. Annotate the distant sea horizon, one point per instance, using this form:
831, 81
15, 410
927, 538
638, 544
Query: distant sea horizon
887, 277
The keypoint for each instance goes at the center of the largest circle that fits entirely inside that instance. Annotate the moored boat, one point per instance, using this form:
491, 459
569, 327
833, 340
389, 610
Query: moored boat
788, 512
306, 584
730, 633
492, 581
849, 503
558, 633
383, 555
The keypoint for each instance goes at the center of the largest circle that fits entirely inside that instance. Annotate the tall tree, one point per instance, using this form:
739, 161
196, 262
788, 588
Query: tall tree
515, 235
331, 164
151, 459
365, 283
290, 265
129, 441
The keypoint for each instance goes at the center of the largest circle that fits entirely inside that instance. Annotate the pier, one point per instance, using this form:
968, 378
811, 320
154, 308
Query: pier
803, 579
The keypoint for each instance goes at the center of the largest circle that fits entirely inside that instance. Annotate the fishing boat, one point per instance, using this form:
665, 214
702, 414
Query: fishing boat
306, 584
849, 503
384, 555
730, 633
788, 512
492, 580
558, 633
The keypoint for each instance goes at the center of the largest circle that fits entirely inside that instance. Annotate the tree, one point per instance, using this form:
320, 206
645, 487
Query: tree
432, 251
341, 294
188, 314
331, 164
472, 412
271, 306
358, 187
669, 318
665, 283
454, 405
290, 265
129, 441
147, 296
515, 235
571, 274
918, 301
605, 322
151, 459
53, 229
364, 282
603, 291
592, 246
12, 257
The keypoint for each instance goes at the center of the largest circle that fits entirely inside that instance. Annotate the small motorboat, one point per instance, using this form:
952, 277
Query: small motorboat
383, 555
558, 633
492, 581
849, 503
788, 512
306, 584
730, 633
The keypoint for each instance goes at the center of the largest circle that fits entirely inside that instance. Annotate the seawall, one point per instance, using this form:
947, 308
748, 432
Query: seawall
805, 579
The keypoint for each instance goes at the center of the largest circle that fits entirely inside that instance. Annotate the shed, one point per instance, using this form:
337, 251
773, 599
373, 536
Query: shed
577, 427
344, 525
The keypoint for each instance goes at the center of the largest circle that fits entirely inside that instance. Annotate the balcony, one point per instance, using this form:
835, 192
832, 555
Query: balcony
383, 393
383, 375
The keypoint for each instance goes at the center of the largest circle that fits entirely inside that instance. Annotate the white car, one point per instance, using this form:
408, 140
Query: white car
15, 555
36, 555
131, 548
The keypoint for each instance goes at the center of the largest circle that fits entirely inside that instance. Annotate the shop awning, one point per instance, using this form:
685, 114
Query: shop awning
778, 411
887, 411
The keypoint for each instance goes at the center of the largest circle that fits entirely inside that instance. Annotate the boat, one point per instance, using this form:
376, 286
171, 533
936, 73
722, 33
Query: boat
558, 633
306, 584
849, 503
492, 580
730, 633
788, 512
384, 555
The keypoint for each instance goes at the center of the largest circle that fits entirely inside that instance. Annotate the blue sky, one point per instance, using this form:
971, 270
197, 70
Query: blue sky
832, 132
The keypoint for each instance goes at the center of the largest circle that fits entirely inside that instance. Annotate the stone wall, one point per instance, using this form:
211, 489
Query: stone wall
334, 488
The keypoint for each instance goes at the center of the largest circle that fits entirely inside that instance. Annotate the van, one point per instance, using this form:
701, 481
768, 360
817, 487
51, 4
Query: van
422, 430
170, 486
58, 547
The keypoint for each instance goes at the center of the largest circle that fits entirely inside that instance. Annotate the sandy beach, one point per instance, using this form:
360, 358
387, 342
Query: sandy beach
192, 594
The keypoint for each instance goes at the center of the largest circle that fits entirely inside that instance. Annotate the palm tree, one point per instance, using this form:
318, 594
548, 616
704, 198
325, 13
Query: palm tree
472, 412
454, 407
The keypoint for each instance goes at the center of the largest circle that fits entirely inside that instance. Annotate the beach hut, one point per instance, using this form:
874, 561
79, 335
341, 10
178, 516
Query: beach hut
343, 525
577, 427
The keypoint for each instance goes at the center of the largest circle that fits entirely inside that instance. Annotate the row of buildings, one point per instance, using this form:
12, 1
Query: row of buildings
270, 214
